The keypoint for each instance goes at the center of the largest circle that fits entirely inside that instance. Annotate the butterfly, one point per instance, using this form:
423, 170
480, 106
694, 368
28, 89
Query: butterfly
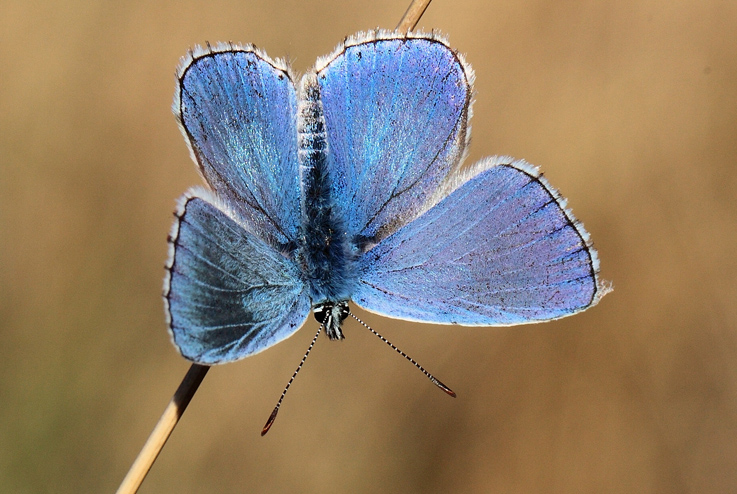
347, 186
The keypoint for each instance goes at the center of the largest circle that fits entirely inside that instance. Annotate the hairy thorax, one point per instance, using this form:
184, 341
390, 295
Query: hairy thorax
327, 254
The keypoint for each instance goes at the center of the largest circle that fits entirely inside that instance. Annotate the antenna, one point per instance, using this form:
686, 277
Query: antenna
272, 417
432, 378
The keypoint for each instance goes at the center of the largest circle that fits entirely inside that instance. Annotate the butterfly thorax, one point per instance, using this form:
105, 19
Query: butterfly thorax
327, 255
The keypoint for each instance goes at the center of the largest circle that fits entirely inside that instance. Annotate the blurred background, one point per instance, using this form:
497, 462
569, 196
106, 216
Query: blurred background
630, 109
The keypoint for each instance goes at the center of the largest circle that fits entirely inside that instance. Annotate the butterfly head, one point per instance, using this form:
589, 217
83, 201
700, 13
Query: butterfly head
331, 315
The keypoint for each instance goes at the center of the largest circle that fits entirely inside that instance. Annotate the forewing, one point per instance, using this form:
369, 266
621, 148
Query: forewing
228, 294
499, 250
396, 112
237, 109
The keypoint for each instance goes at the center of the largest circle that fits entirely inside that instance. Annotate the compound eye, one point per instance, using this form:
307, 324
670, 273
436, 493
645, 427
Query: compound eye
320, 313
344, 311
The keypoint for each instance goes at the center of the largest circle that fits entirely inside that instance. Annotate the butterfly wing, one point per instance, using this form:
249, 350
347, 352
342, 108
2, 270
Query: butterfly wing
228, 294
237, 109
396, 111
501, 249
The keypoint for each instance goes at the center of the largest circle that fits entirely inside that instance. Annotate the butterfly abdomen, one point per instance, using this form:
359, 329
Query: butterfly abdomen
326, 256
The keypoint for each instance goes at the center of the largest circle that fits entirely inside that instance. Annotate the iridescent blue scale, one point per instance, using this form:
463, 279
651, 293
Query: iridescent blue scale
351, 189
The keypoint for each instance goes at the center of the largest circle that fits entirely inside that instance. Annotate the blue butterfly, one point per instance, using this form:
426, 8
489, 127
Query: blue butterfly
348, 186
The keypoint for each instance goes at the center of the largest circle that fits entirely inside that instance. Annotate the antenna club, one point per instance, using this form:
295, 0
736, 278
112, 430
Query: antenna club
270, 422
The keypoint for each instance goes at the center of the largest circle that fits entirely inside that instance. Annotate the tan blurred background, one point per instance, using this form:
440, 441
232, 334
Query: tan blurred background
629, 107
